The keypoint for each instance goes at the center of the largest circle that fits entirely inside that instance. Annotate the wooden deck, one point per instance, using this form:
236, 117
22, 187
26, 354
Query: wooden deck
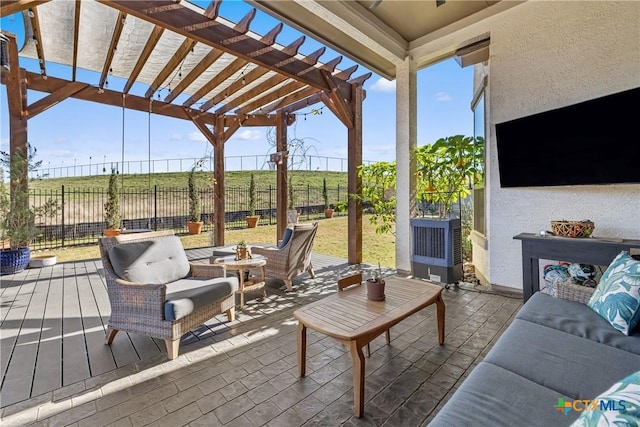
53, 322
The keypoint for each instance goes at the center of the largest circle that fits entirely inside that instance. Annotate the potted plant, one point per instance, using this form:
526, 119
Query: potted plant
292, 213
375, 286
252, 218
18, 220
241, 250
328, 212
112, 207
4, 210
194, 224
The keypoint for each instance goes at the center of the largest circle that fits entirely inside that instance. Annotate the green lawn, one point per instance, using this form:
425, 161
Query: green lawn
331, 239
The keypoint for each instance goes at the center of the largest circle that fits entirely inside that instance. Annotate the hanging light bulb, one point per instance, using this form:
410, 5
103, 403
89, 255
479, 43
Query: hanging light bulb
243, 81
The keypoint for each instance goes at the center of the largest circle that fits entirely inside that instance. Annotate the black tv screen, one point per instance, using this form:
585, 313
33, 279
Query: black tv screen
593, 142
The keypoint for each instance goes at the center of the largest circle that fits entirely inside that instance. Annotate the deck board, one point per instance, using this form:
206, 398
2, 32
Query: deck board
100, 357
54, 320
75, 364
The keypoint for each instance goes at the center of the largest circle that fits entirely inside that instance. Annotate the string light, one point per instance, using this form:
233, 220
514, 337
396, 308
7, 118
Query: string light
313, 112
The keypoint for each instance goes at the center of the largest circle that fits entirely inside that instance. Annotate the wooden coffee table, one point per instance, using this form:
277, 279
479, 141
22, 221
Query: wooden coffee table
242, 266
355, 321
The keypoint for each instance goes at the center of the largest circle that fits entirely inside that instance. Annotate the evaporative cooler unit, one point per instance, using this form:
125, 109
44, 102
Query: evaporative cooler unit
437, 249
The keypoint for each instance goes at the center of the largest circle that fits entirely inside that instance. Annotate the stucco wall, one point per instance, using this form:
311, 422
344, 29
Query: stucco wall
546, 55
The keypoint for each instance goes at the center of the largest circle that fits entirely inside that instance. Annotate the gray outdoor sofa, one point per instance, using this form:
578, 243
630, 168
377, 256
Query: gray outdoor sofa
554, 349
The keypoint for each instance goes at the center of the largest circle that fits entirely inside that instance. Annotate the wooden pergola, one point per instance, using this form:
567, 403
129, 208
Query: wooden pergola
230, 76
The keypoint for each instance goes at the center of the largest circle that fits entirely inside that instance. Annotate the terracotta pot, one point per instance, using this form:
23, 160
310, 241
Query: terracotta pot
242, 253
375, 289
252, 221
328, 213
111, 232
194, 227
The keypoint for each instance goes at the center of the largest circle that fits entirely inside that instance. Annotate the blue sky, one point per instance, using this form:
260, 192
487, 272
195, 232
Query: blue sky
73, 131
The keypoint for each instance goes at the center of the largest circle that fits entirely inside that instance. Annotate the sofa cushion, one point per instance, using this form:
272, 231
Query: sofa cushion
157, 262
494, 396
618, 406
617, 297
188, 295
572, 366
576, 319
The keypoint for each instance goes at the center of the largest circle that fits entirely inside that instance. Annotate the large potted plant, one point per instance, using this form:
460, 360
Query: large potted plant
194, 224
112, 207
328, 212
18, 220
252, 218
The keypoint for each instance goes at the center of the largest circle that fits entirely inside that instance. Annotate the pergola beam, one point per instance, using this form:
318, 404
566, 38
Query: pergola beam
338, 105
109, 97
252, 93
35, 24
156, 33
201, 67
201, 28
290, 99
54, 98
115, 37
271, 96
76, 35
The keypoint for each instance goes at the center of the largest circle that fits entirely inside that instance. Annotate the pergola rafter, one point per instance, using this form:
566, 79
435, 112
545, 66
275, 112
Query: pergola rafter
252, 79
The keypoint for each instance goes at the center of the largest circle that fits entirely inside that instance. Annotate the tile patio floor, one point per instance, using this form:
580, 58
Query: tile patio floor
242, 373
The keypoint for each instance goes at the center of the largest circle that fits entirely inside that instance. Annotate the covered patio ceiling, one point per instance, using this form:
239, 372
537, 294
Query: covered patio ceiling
380, 34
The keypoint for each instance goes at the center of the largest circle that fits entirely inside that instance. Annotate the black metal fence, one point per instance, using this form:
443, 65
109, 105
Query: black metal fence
75, 216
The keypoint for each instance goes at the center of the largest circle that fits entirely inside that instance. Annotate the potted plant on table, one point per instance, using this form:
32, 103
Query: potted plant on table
375, 286
112, 207
328, 212
241, 250
194, 224
17, 220
252, 218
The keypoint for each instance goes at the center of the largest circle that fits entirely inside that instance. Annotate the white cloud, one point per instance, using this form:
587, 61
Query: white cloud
176, 137
197, 136
443, 97
248, 135
383, 85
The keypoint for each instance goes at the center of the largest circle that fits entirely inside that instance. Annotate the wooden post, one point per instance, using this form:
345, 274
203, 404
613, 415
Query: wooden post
218, 174
16, 84
354, 185
282, 180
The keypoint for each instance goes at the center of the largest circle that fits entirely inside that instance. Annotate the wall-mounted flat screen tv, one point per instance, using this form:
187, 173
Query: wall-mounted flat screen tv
593, 142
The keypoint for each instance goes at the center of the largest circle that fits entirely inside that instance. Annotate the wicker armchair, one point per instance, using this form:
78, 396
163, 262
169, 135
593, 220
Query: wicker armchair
293, 258
155, 291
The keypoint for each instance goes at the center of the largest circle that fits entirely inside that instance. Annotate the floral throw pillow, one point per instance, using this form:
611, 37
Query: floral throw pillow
619, 406
617, 297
